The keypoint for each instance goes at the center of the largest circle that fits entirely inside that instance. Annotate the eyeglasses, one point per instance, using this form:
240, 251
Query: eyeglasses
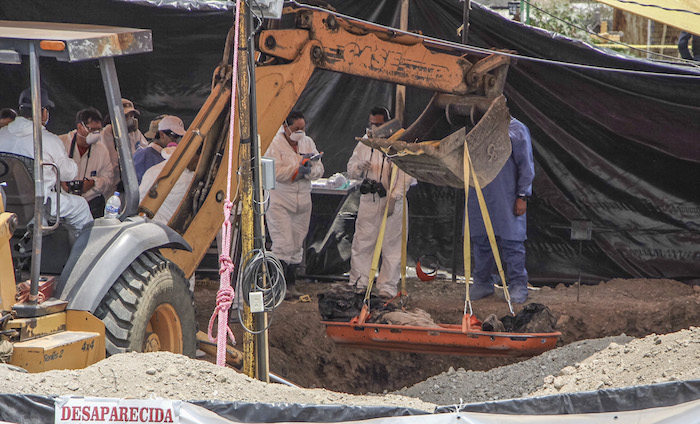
172, 135
93, 129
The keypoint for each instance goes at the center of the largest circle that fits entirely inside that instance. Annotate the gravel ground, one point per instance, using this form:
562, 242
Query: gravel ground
594, 364
586, 365
507, 382
171, 376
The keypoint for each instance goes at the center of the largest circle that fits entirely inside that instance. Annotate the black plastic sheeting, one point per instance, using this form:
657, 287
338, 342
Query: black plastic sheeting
272, 413
40, 409
611, 400
619, 150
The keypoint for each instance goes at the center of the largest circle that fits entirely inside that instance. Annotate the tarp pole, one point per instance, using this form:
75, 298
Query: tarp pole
400, 109
262, 343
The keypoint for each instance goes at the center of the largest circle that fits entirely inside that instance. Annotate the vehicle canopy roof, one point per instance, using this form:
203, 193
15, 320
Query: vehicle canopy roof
80, 42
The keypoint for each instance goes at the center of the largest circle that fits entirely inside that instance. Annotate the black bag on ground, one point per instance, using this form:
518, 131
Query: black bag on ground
533, 318
343, 304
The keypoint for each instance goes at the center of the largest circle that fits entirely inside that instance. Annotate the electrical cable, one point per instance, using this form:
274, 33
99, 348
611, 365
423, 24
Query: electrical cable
689, 62
659, 7
261, 264
486, 51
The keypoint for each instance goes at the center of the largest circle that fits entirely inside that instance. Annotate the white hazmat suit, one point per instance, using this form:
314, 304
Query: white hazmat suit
289, 213
18, 138
95, 164
136, 141
369, 220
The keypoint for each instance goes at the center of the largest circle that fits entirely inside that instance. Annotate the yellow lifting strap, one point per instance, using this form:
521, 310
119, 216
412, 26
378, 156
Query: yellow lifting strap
404, 240
469, 169
380, 237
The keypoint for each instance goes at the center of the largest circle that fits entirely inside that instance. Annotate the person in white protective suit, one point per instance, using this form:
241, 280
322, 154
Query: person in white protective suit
18, 138
289, 214
94, 165
373, 168
136, 140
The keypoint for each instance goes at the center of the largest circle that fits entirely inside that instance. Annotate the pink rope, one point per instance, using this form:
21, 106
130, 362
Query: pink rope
225, 295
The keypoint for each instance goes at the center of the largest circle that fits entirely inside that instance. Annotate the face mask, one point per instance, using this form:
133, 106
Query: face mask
132, 124
93, 137
297, 136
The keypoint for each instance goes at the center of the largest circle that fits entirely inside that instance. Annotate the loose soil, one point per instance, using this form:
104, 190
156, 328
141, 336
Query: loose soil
649, 327
301, 352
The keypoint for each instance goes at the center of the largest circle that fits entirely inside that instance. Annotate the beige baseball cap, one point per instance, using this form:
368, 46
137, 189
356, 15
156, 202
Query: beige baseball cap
128, 106
172, 123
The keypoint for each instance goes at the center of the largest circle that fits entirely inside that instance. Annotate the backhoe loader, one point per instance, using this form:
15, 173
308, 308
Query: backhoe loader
123, 288
115, 291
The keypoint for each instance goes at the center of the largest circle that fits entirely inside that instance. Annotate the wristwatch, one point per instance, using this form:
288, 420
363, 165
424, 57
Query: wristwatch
523, 196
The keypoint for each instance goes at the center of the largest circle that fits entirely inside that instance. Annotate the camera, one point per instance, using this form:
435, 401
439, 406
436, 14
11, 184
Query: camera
372, 186
75, 187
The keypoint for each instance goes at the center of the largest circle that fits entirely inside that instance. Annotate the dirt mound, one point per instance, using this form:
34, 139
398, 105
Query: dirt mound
508, 382
653, 359
596, 364
301, 352
166, 375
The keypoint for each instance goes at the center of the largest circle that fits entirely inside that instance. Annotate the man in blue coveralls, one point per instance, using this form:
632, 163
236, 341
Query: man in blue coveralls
506, 199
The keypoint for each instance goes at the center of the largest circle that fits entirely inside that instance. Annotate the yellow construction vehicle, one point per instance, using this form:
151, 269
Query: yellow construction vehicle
467, 83
115, 291
124, 287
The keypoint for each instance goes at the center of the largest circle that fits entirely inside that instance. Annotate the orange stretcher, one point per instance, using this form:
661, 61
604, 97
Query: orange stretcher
444, 340
447, 339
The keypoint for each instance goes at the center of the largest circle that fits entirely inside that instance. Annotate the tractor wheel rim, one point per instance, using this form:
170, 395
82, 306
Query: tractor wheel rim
164, 330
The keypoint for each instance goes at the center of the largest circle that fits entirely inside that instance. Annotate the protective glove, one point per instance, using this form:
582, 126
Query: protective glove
364, 166
304, 169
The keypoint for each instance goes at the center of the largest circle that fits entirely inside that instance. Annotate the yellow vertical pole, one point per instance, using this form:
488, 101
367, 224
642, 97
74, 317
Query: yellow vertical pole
246, 189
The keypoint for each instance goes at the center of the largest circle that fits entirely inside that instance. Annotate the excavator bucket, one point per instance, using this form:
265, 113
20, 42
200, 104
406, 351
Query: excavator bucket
441, 162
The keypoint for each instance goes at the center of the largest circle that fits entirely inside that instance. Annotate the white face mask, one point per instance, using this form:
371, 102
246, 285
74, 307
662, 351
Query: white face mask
92, 138
297, 136
132, 124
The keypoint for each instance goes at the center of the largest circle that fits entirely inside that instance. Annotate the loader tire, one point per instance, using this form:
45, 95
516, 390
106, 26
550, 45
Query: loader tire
149, 308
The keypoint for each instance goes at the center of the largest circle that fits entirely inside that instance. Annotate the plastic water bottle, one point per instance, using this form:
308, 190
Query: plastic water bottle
112, 206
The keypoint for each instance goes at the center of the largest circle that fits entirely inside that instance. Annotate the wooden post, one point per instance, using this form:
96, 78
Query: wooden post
400, 107
246, 189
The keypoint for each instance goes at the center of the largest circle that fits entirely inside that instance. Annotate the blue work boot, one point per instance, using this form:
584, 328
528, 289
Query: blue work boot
479, 291
518, 293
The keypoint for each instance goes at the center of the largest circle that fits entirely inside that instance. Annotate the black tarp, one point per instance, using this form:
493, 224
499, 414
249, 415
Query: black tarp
617, 149
40, 409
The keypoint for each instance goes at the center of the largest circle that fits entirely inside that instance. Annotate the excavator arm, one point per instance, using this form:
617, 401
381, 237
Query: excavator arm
464, 79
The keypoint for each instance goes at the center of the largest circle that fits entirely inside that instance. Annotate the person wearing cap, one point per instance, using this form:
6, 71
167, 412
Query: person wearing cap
92, 158
172, 201
18, 137
153, 128
177, 193
137, 140
170, 130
